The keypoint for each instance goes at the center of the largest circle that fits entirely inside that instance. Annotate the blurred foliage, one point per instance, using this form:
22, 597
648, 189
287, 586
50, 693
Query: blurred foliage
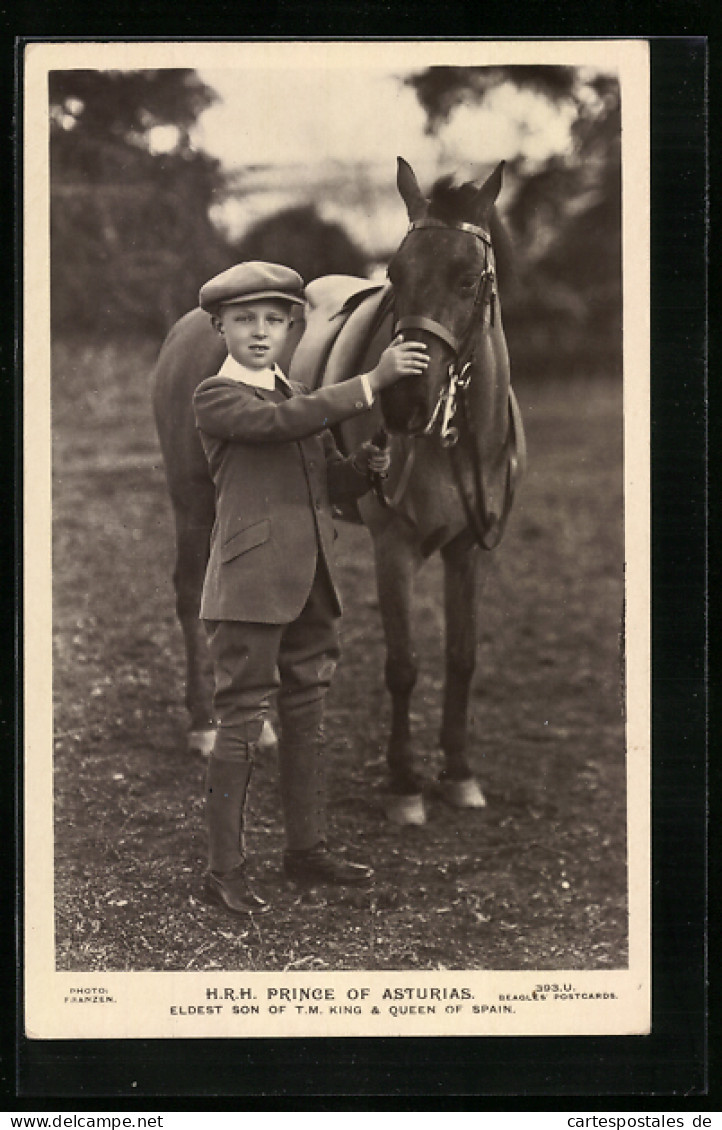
97, 118
131, 239
299, 238
564, 216
441, 90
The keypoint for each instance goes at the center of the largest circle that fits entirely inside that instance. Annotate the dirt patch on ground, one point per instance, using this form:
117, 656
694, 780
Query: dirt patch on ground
537, 880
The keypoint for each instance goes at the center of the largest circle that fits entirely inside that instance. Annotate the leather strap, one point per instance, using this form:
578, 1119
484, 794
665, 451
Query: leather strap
404, 477
484, 292
420, 323
488, 528
473, 229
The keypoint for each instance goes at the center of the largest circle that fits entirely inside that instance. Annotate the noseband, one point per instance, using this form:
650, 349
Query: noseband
486, 527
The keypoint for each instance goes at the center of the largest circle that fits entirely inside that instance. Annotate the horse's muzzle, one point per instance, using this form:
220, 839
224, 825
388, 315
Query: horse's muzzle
405, 409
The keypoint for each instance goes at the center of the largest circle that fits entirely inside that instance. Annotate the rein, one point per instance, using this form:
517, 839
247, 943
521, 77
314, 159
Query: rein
451, 411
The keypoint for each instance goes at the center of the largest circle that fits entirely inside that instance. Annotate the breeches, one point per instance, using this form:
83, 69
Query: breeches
252, 661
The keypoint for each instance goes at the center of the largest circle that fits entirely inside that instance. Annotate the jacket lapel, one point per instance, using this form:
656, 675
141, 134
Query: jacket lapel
271, 394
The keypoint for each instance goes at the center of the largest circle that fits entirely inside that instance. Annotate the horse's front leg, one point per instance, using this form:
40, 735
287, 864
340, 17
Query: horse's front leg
461, 561
397, 560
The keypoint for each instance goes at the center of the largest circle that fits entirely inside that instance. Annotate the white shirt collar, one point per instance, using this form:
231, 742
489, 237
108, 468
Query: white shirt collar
258, 378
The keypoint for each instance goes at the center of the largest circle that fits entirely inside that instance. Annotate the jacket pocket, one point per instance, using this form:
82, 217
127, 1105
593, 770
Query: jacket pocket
246, 539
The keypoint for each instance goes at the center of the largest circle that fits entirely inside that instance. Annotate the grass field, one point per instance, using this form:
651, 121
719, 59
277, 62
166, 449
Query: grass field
537, 880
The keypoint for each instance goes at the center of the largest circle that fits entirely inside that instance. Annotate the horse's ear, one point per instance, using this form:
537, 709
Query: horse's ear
488, 192
408, 186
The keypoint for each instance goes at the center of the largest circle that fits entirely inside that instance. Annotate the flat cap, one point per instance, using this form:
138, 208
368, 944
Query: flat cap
248, 282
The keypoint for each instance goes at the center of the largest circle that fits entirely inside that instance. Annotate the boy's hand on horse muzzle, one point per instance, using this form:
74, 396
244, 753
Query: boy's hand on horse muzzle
400, 359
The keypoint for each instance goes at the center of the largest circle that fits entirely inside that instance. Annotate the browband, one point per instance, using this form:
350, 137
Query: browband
473, 229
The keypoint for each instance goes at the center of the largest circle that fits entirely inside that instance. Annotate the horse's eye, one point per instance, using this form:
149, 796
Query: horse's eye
467, 282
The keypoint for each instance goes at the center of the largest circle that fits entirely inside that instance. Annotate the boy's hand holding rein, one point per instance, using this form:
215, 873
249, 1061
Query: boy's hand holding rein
372, 460
400, 359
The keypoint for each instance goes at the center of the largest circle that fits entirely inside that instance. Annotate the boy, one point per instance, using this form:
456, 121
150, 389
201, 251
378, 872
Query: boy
269, 599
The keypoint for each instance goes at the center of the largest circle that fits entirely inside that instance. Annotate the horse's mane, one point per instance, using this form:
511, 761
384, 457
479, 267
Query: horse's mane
450, 202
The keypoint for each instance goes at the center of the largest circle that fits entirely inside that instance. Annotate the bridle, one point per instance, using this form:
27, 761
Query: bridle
451, 411
485, 292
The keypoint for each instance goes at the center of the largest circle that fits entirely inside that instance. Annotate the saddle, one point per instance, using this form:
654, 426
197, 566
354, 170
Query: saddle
348, 325
339, 319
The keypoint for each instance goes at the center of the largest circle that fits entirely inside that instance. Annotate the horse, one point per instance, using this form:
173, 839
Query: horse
456, 441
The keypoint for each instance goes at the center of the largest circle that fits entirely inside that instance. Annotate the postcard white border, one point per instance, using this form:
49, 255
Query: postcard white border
471, 1003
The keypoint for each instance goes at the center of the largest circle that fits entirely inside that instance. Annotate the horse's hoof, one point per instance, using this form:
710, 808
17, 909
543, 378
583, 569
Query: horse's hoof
463, 794
268, 739
201, 741
406, 809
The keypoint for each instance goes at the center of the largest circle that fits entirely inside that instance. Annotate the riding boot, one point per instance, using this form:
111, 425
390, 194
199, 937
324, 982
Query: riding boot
307, 859
226, 789
302, 774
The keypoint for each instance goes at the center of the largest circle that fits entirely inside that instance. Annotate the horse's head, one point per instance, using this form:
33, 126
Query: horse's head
443, 280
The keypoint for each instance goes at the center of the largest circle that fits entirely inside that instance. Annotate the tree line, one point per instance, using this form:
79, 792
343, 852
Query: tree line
132, 237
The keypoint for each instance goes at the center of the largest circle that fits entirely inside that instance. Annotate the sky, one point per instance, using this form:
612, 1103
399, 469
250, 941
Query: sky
306, 116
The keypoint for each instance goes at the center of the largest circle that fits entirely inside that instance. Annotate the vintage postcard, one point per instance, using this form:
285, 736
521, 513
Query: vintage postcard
443, 827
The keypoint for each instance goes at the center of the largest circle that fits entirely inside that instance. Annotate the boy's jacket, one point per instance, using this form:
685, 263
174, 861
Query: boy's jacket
275, 479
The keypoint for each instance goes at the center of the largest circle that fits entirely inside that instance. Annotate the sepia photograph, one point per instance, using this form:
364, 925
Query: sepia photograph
337, 604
